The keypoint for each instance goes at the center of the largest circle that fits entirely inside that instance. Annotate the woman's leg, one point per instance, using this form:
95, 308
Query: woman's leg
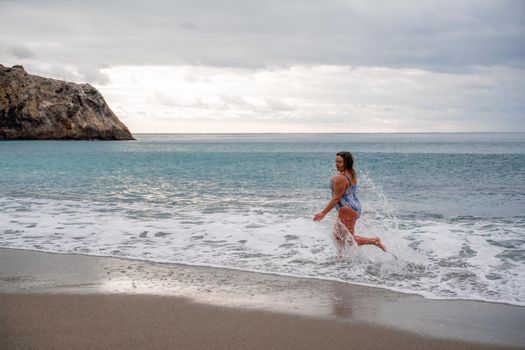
348, 217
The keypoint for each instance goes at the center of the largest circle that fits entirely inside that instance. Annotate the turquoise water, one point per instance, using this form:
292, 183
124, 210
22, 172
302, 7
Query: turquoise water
450, 207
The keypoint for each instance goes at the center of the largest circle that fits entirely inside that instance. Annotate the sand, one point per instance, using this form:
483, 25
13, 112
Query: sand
65, 301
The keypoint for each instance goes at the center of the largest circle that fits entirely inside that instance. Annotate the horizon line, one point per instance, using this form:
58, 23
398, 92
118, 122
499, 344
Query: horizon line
329, 133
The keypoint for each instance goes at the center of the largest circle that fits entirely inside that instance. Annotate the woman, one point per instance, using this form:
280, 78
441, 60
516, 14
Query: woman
344, 198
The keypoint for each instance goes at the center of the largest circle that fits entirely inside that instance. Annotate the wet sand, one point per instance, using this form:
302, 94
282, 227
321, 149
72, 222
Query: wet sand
64, 301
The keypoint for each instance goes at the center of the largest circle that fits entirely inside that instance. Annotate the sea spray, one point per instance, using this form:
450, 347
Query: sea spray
377, 220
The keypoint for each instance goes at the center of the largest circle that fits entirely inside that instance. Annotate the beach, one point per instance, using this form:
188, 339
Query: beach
65, 301
262, 175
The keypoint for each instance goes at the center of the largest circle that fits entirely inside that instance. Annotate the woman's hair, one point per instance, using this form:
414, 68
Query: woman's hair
348, 161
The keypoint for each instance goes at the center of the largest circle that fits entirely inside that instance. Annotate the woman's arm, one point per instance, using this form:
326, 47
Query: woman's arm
337, 194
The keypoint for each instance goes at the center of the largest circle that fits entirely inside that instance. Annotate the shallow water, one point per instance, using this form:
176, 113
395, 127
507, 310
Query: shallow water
449, 207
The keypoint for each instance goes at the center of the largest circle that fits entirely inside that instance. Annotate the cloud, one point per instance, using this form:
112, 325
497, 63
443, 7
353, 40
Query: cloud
93, 74
297, 65
317, 99
431, 35
20, 52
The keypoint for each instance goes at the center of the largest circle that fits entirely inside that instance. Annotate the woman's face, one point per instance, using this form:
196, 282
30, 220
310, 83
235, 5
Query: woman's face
339, 163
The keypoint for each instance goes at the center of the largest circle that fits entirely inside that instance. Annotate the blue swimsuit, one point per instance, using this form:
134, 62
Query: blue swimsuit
349, 198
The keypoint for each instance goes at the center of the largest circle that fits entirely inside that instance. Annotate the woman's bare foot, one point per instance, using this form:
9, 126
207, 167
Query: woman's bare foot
377, 243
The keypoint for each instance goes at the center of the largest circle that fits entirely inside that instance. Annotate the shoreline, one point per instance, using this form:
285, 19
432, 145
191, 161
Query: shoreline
276, 274
32, 279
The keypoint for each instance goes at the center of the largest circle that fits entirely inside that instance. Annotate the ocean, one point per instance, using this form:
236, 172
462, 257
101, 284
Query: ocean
450, 208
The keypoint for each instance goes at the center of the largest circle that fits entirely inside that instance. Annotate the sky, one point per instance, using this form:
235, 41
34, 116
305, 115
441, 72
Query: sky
229, 66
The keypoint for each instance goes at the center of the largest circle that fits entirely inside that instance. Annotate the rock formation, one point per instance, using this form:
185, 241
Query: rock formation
34, 107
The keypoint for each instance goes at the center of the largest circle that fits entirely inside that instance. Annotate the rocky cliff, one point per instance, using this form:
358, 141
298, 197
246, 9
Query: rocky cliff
33, 107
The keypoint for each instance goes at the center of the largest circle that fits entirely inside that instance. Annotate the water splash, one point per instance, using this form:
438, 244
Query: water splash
379, 220
343, 241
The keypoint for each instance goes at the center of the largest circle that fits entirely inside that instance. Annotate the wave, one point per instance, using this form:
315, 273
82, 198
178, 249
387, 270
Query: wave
435, 258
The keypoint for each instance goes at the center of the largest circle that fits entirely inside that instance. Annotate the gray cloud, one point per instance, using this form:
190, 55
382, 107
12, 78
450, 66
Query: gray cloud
433, 35
94, 74
388, 65
20, 52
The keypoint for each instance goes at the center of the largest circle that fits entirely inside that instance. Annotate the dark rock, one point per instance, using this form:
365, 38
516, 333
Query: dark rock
33, 107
